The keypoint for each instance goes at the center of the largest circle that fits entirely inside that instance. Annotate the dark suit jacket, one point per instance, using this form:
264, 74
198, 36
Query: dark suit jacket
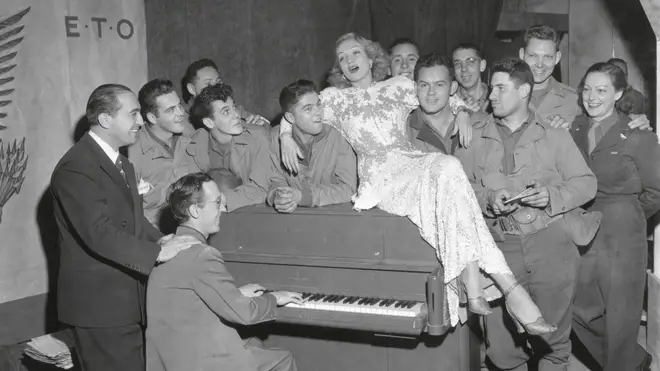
190, 300
107, 247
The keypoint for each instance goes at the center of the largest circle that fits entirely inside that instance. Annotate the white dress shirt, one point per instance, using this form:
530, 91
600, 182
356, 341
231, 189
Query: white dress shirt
105, 147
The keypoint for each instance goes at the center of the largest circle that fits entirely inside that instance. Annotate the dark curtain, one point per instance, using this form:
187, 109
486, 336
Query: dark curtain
436, 25
262, 45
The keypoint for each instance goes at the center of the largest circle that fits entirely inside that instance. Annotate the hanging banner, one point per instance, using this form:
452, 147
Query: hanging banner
52, 55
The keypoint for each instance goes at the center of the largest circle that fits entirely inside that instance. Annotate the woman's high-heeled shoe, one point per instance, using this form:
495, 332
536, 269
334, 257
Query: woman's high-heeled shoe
477, 305
536, 327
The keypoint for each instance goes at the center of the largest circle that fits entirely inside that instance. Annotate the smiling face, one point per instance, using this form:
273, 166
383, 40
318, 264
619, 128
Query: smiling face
124, 125
353, 61
403, 60
599, 95
210, 210
468, 67
307, 114
434, 87
169, 113
542, 56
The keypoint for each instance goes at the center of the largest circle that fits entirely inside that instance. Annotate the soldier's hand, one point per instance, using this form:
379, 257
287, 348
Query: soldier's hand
540, 198
640, 122
556, 121
496, 202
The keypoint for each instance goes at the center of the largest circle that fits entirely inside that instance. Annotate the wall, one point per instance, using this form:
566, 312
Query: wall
67, 49
602, 29
261, 46
599, 30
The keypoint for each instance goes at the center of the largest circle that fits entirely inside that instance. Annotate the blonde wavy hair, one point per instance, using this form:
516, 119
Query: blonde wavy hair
378, 56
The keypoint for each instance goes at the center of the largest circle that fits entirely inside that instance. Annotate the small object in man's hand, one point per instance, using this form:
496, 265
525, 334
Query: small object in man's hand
526, 192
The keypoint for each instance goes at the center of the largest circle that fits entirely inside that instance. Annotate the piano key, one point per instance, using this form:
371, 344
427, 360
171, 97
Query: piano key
362, 305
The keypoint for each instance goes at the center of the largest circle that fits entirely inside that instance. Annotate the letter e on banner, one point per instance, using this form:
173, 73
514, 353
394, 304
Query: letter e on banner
70, 23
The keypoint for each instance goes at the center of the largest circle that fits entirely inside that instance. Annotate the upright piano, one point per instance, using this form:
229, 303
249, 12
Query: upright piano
372, 288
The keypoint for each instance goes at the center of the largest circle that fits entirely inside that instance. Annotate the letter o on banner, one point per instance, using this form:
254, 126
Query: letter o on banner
131, 30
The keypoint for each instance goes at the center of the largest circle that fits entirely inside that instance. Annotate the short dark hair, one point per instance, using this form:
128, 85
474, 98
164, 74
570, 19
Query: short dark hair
150, 92
104, 99
291, 94
517, 69
468, 46
191, 75
432, 60
542, 32
619, 62
203, 104
185, 192
401, 41
615, 73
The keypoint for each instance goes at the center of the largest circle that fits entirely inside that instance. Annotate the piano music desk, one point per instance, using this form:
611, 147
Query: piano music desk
368, 271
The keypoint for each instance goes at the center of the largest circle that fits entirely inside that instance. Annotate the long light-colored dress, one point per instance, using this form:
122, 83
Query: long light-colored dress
431, 189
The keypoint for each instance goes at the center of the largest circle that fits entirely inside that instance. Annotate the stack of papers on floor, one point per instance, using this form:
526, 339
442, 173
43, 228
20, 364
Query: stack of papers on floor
49, 350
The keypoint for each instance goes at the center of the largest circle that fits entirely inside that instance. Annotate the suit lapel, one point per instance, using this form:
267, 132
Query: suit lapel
106, 165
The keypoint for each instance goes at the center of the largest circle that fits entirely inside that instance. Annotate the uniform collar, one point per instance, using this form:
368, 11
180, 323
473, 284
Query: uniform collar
184, 230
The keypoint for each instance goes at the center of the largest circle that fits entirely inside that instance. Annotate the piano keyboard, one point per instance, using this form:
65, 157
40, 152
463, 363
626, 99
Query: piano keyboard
362, 305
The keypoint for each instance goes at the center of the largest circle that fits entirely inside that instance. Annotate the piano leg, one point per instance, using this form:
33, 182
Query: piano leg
438, 312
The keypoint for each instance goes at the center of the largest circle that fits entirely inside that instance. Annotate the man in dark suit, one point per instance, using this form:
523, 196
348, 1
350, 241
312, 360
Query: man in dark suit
193, 302
107, 247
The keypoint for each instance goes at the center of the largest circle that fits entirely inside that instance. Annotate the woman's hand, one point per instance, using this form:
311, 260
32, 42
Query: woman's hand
464, 127
290, 153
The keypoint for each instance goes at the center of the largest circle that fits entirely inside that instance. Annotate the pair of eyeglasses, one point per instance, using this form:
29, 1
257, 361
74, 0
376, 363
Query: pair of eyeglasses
470, 62
219, 203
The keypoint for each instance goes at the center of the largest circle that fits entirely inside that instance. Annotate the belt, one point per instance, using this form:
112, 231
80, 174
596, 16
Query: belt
512, 227
509, 225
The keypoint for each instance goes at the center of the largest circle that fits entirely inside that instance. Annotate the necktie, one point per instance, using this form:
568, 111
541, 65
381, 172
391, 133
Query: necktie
120, 167
595, 135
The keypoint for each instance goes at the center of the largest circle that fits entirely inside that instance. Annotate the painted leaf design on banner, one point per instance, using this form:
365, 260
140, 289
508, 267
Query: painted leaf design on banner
13, 160
10, 38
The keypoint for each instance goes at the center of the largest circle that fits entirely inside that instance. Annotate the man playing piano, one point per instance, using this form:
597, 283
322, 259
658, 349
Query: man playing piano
328, 173
190, 300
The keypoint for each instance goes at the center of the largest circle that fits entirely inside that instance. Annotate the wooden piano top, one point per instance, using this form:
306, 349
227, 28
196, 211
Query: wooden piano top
330, 236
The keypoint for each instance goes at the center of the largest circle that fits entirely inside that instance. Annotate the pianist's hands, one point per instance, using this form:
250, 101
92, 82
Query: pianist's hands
252, 289
287, 297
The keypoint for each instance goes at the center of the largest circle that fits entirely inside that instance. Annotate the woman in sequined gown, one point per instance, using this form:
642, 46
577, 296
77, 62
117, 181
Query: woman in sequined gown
430, 189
